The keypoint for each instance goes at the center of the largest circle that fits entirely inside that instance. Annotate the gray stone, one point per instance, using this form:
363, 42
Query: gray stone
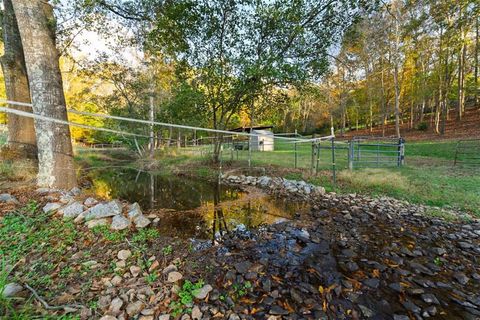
174, 276
124, 254
102, 210
461, 277
94, 223
11, 290
52, 206
141, 221
90, 202
134, 210
196, 313
72, 210
169, 268
75, 191
115, 306
164, 317
367, 313
8, 198
202, 292
135, 271
372, 283
108, 317
119, 222
134, 308
430, 298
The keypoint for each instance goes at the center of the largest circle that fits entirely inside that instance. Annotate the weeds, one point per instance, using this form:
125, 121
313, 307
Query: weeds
186, 295
109, 235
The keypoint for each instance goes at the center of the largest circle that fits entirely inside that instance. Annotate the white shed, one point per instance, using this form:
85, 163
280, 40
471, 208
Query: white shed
263, 141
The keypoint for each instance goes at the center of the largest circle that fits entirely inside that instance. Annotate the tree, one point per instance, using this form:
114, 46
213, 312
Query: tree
238, 49
21, 132
37, 32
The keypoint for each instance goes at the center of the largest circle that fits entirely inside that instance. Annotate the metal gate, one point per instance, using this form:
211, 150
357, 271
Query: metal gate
376, 152
467, 152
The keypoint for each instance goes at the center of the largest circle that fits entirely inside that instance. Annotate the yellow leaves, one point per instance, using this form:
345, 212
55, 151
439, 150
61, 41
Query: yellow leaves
376, 273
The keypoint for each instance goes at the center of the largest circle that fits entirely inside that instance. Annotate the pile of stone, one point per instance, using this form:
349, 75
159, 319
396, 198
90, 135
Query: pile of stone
94, 213
277, 185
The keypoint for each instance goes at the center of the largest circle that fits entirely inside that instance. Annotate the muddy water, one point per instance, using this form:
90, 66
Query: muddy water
192, 208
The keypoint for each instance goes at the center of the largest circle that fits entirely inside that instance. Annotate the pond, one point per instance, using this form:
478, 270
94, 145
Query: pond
191, 208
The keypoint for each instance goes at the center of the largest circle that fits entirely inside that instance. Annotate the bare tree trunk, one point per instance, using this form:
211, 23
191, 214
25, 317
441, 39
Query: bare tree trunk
461, 76
477, 36
21, 132
35, 23
397, 100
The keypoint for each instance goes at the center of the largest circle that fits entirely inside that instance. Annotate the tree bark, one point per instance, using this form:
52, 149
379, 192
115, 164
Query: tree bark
36, 25
21, 132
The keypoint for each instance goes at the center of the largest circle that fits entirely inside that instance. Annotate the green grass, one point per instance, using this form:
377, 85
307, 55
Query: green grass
31, 232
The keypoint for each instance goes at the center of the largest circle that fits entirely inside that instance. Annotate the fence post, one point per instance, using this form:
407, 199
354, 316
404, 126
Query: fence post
295, 161
350, 155
318, 154
401, 152
312, 164
333, 163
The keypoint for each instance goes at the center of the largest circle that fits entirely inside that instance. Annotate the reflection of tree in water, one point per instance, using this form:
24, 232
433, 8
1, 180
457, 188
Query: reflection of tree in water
218, 216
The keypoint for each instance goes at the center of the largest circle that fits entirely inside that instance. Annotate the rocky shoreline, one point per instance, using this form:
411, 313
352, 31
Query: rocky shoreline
350, 257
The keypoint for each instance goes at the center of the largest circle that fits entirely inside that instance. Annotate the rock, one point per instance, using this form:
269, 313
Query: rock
134, 210
154, 266
103, 210
135, 271
75, 191
367, 313
169, 269
116, 280
202, 292
119, 222
430, 298
66, 199
174, 276
372, 283
277, 310
164, 317
90, 202
196, 313
52, 206
8, 198
94, 223
104, 302
400, 317
148, 312
11, 290
124, 254
410, 306
134, 308
72, 210
115, 306
141, 221
242, 267
461, 277
108, 317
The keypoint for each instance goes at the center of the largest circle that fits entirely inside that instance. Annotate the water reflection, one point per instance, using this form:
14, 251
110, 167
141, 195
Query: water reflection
192, 208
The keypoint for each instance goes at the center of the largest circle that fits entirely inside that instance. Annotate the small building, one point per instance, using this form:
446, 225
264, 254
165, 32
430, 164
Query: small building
262, 141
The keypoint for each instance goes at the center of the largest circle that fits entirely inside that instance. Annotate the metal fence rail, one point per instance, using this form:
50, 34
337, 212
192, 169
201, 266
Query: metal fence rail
467, 152
376, 152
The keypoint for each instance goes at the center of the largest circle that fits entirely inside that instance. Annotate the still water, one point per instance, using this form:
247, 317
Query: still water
188, 207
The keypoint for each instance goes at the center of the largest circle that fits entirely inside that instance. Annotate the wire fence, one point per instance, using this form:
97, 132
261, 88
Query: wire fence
258, 148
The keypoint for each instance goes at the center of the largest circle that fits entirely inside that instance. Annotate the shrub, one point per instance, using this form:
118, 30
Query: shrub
422, 126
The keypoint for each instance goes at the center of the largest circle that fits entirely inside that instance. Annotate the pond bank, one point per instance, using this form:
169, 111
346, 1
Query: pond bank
345, 257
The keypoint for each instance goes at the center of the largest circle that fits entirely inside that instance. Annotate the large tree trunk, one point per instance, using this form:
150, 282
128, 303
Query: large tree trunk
36, 25
21, 132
